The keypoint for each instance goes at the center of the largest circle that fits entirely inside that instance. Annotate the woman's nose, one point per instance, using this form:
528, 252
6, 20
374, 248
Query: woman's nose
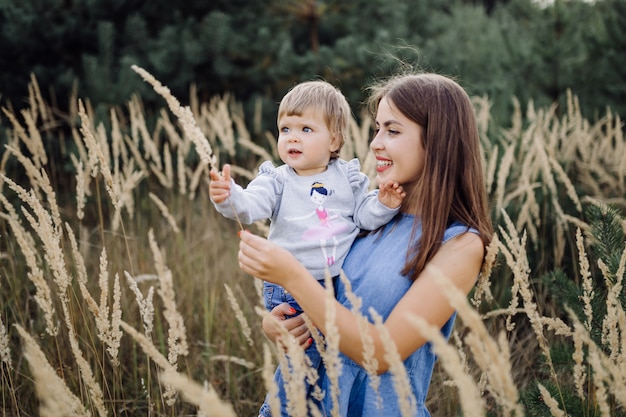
375, 143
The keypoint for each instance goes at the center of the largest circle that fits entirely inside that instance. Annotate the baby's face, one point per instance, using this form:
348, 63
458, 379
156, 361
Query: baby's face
305, 142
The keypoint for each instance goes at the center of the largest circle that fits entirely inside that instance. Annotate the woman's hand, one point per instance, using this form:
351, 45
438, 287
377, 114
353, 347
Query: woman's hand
296, 326
265, 260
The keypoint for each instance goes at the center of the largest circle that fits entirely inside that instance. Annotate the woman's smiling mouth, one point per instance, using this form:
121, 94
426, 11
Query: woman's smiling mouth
383, 164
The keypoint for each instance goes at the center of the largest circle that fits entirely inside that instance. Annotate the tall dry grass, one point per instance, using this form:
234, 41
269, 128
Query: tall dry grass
126, 299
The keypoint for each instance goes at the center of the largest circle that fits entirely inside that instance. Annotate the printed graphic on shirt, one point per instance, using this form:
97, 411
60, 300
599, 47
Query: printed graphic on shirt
329, 226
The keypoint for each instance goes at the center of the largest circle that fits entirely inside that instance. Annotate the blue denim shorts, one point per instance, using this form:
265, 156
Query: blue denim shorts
274, 295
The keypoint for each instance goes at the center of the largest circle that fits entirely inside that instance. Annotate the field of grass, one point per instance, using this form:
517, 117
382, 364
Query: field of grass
121, 294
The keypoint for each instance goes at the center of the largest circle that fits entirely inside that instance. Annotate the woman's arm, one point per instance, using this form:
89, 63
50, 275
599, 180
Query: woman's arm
459, 259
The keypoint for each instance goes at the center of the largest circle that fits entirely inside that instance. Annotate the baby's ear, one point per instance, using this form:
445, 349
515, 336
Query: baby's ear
335, 143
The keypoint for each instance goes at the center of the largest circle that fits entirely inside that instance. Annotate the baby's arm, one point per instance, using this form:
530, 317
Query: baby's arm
219, 187
391, 194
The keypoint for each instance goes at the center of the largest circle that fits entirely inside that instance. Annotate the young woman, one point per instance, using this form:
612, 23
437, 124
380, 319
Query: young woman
427, 141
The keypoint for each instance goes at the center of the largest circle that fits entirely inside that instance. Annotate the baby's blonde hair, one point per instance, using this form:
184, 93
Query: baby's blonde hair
322, 96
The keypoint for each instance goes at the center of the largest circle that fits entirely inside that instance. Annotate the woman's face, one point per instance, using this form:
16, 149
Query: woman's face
398, 146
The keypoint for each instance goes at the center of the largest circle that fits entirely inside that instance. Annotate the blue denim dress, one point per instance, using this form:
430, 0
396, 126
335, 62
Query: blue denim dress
373, 267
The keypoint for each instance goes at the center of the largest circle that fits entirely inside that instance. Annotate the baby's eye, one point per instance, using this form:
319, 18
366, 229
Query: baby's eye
307, 129
284, 129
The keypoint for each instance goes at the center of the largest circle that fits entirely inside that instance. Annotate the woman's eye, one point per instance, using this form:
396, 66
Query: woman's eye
393, 132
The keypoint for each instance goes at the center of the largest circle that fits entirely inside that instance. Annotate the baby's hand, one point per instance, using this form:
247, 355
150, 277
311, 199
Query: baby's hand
391, 194
219, 187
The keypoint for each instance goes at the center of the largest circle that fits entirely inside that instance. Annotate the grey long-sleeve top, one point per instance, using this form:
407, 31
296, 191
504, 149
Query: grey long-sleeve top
315, 217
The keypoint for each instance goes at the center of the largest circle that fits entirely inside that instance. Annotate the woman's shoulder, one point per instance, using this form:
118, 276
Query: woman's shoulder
463, 242
456, 229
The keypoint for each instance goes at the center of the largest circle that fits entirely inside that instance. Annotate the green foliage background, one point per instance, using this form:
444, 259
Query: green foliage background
258, 50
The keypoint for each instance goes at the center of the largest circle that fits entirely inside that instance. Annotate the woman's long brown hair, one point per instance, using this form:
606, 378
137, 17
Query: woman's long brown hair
452, 186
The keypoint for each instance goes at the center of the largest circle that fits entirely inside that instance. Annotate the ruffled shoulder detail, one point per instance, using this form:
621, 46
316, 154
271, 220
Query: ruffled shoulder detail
355, 176
267, 169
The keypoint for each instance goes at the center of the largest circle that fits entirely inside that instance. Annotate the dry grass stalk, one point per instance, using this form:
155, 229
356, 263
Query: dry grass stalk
55, 397
81, 275
503, 173
185, 117
515, 255
218, 115
492, 357
205, 398
117, 140
587, 281
181, 172
146, 307
127, 182
469, 394
35, 147
164, 211
320, 344
37, 102
599, 375
241, 318
370, 364
134, 151
177, 338
552, 404
605, 372
147, 346
82, 183
95, 392
614, 310
268, 379
406, 399
109, 329
82, 153
330, 355
295, 368
169, 394
168, 182
164, 123
5, 349
141, 135
483, 285
579, 373
39, 181
43, 294
98, 160
233, 359
491, 166
200, 172
51, 236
